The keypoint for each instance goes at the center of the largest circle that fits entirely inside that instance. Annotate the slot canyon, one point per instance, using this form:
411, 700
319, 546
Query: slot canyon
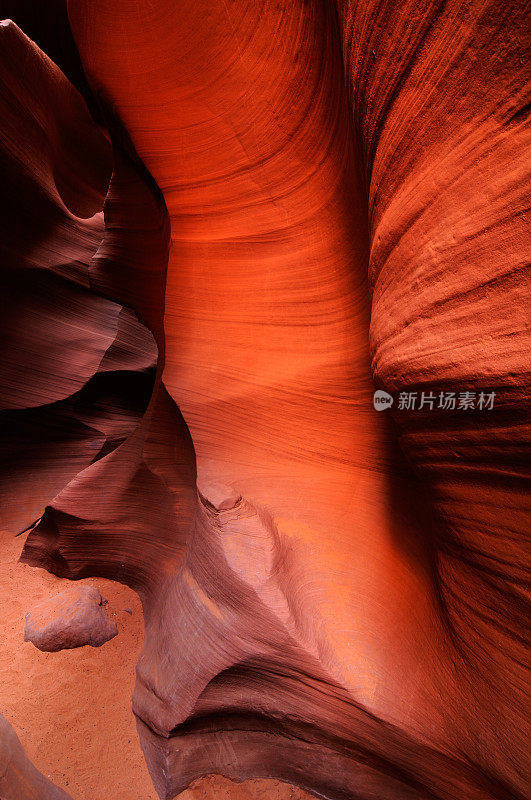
264, 392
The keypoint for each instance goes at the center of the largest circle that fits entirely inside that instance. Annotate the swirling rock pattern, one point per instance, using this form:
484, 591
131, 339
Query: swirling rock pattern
307, 199
77, 370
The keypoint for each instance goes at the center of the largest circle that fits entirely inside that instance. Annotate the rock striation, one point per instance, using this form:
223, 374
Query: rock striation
77, 369
307, 201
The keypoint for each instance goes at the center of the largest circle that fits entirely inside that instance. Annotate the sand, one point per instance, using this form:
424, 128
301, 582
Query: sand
72, 709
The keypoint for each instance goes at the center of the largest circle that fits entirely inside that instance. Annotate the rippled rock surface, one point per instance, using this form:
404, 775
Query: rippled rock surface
306, 201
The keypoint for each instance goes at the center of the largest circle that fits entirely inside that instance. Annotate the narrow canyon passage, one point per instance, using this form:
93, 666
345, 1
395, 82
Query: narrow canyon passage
266, 326
308, 201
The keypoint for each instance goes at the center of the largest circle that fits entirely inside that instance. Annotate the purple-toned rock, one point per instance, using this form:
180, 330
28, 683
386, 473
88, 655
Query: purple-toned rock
73, 618
19, 779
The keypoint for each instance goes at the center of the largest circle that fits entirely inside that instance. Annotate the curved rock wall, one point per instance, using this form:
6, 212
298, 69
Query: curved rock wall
307, 200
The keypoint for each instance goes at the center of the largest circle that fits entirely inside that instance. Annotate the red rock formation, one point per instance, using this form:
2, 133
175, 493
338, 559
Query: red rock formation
19, 780
77, 371
73, 618
343, 191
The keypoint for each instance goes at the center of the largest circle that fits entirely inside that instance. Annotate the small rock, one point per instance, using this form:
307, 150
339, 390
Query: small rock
73, 618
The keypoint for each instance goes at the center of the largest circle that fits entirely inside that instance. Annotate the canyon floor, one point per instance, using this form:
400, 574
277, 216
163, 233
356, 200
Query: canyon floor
72, 709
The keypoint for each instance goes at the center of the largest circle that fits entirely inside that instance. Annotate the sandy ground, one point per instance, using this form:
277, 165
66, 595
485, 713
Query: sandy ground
72, 709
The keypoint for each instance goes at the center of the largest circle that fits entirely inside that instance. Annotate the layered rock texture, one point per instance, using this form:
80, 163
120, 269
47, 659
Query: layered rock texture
259, 213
